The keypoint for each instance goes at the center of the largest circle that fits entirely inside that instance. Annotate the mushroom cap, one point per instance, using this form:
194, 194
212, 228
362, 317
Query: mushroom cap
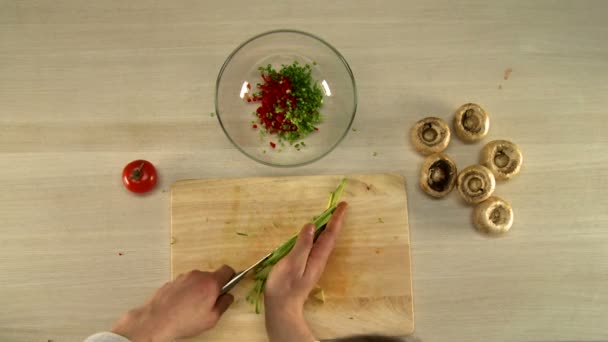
503, 158
475, 183
493, 216
438, 175
471, 122
430, 135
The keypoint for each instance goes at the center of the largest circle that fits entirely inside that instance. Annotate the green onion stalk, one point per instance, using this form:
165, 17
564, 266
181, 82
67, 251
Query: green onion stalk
261, 272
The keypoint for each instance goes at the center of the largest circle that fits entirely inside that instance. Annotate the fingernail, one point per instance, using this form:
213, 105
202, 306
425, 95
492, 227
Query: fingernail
310, 230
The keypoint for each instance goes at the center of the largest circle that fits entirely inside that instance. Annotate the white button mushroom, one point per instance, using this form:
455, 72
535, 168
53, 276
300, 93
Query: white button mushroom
438, 175
493, 216
430, 135
471, 122
503, 158
475, 183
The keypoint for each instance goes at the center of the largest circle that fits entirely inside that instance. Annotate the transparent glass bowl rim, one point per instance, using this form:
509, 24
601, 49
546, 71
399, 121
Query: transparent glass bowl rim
338, 54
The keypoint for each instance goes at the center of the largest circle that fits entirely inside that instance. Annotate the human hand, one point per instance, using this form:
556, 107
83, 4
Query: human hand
185, 307
291, 280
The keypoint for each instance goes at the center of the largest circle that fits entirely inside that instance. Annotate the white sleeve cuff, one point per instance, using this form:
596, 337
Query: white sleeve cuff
106, 337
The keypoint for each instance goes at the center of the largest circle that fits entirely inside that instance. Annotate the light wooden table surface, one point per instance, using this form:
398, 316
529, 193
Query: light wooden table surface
87, 86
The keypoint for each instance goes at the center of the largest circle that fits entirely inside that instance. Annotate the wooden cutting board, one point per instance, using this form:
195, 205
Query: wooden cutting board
367, 281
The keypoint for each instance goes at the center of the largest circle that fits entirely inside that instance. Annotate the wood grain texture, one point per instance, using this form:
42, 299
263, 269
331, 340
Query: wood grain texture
367, 283
87, 86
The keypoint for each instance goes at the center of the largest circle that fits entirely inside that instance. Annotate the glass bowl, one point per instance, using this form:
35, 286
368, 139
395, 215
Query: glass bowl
239, 76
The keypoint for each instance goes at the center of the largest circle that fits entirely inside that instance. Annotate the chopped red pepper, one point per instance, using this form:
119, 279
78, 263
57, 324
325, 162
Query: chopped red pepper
275, 94
254, 126
273, 145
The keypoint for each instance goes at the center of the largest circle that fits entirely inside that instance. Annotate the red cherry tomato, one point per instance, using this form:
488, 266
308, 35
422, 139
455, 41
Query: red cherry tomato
139, 176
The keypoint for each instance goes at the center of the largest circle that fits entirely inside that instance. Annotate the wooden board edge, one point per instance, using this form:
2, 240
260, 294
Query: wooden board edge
181, 182
409, 243
171, 219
